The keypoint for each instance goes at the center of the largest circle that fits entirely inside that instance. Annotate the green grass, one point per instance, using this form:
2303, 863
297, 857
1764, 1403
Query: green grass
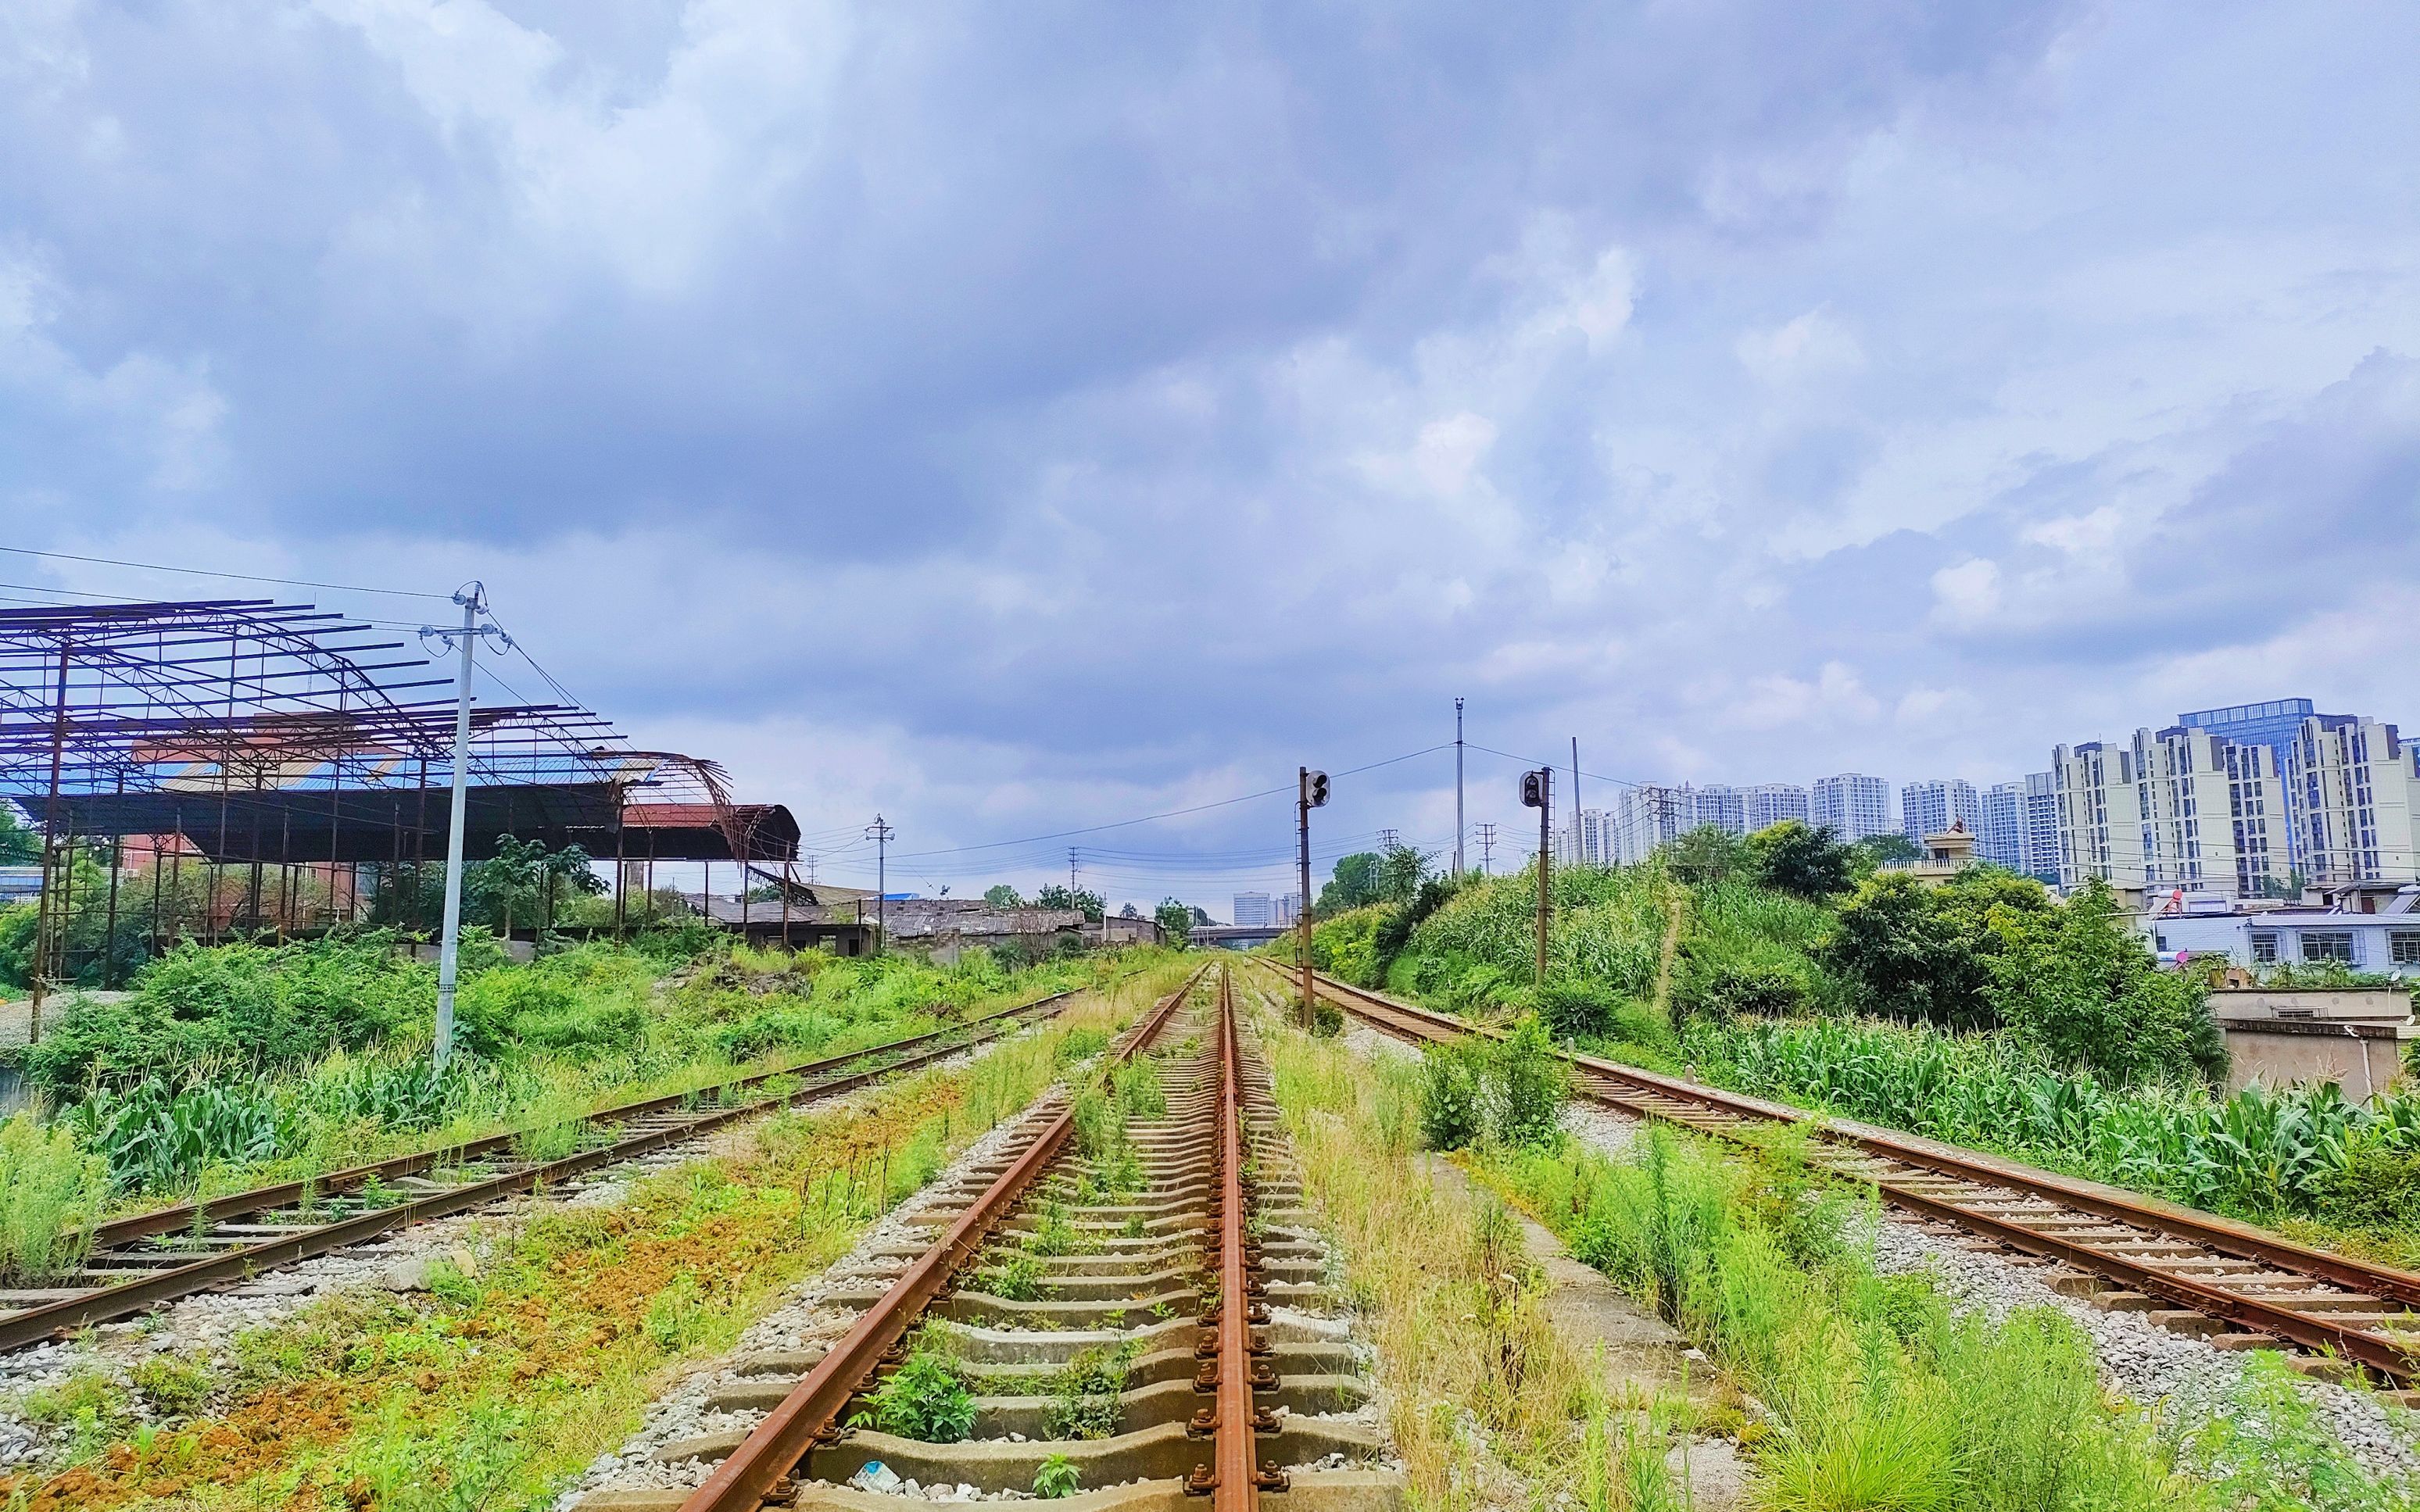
51, 1192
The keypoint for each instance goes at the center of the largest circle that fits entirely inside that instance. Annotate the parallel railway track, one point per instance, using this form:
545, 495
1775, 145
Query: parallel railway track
2192, 1272
1173, 1277
147, 1260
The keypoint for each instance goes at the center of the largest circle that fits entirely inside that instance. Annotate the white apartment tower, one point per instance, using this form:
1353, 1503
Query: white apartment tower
2100, 828
1851, 806
1768, 804
2041, 853
2356, 787
2212, 811
1253, 909
1929, 807
2176, 809
2001, 837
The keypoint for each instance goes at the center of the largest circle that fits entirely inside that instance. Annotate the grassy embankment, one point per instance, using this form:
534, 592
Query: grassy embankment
494, 1389
241, 1064
1858, 1390
1764, 1005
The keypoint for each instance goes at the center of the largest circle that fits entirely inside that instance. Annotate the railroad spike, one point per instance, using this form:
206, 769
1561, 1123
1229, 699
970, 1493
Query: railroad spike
1202, 1482
1272, 1478
1203, 1423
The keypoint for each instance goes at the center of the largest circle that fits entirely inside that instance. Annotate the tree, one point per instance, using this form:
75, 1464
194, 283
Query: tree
1090, 903
2084, 989
1709, 853
19, 846
1176, 920
1001, 895
524, 881
1809, 863
1876, 852
1129, 911
1910, 955
1400, 871
1356, 882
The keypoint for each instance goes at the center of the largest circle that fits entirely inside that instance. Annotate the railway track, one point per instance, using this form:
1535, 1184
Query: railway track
2196, 1272
147, 1260
1145, 1351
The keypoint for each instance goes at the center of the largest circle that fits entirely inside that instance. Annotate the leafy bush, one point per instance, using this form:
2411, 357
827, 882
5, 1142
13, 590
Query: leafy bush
1576, 1010
1449, 1108
51, 1193
926, 1398
1055, 1477
1087, 1396
253, 1006
1509, 1091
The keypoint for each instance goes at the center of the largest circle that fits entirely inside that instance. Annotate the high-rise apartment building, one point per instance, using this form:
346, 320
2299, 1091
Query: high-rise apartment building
2212, 811
2181, 808
1592, 844
1929, 807
2356, 800
2000, 840
1286, 910
2040, 857
1850, 804
1769, 803
2100, 828
1253, 909
1724, 807
2276, 724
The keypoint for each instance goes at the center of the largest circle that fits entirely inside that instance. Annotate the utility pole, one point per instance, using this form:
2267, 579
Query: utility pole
1457, 789
1538, 792
1390, 839
1310, 793
1071, 872
881, 834
1486, 848
1576, 855
473, 596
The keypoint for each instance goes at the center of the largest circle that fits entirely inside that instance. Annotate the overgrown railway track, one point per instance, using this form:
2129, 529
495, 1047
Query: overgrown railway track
2195, 1273
1136, 1354
147, 1260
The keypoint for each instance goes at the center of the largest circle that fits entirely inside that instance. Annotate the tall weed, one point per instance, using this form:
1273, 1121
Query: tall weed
51, 1193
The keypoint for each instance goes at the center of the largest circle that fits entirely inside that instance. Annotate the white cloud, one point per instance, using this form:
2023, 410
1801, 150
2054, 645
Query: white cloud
1966, 595
1816, 345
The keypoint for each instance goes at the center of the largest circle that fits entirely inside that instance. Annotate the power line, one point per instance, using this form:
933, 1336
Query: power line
230, 577
1172, 814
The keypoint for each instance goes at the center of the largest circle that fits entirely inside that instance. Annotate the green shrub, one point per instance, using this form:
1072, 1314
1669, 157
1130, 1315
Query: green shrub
253, 1006
1055, 1477
1576, 1010
1525, 1082
1450, 1109
1087, 1396
51, 1193
926, 1398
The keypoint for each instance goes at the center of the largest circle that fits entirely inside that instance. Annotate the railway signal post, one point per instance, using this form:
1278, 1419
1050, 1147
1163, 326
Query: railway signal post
1310, 793
1538, 792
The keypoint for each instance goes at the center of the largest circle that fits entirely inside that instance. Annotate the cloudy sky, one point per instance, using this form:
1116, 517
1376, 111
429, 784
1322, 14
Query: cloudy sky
1020, 418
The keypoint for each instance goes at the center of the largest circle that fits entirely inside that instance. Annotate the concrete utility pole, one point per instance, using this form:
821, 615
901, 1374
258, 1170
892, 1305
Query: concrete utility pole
881, 834
1457, 789
1575, 799
473, 599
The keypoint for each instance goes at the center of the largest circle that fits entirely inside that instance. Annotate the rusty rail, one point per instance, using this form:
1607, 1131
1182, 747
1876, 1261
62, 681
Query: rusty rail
760, 1468
1639, 1092
1233, 1368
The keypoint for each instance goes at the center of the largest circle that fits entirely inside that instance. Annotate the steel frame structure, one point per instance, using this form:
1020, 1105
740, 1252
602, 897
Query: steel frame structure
258, 733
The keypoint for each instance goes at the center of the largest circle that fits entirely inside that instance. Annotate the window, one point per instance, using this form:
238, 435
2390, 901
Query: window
2403, 947
2327, 945
2264, 946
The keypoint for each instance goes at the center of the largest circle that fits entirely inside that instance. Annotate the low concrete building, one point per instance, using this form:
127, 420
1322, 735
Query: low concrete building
2371, 928
1947, 853
2280, 1037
